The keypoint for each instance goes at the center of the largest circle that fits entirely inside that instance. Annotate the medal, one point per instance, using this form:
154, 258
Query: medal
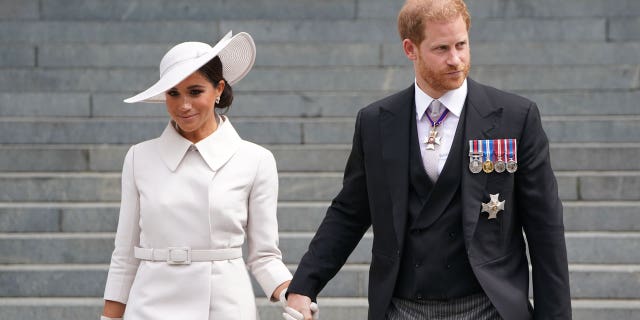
500, 166
475, 164
433, 139
487, 165
512, 163
494, 206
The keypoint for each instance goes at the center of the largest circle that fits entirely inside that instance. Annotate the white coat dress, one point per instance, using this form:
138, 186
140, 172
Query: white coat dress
208, 195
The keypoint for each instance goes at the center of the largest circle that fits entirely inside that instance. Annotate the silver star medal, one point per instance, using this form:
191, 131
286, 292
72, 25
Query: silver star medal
433, 139
494, 206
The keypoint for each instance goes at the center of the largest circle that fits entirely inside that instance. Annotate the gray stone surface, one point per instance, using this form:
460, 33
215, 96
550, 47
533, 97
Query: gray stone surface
196, 10
27, 104
56, 249
17, 188
162, 32
29, 220
624, 29
535, 53
45, 159
516, 8
309, 187
602, 216
101, 55
17, 56
19, 10
618, 129
606, 282
623, 248
587, 102
610, 187
77, 80
594, 157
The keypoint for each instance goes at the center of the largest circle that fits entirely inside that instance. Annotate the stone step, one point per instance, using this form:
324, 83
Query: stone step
147, 10
306, 30
598, 216
589, 129
87, 55
291, 158
100, 187
331, 308
515, 8
302, 104
587, 281
87, 248
340, 79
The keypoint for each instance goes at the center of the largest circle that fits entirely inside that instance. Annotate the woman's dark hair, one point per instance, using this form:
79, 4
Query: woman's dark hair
212, 70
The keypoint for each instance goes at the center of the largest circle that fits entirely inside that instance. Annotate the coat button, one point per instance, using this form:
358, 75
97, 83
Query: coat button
419, 297
418, 265
452, 235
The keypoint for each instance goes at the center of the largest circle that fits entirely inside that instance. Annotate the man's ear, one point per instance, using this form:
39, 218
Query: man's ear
410, 49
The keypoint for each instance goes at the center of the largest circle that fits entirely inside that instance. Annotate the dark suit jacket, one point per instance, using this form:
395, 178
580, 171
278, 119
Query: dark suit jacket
374, 193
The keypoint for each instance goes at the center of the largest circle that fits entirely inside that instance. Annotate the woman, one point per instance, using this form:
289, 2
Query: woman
190, 196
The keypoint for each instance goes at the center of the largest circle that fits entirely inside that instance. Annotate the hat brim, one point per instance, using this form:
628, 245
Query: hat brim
237, 53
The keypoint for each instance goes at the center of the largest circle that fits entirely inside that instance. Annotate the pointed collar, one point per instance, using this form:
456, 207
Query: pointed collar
216, 149
453, 100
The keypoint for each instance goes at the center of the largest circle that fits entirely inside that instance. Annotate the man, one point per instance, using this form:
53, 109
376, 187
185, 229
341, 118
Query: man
449, 173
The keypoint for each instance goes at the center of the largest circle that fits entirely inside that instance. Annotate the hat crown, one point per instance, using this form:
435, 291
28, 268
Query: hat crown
182, 52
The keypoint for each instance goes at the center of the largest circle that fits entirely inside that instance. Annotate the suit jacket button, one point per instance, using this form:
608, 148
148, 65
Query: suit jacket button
419, 297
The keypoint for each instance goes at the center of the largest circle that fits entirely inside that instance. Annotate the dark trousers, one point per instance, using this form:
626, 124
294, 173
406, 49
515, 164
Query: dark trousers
473, 307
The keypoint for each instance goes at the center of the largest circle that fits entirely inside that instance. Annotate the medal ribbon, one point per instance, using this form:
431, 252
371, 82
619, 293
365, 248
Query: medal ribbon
442, 116
512, 151
497, 145
488, 150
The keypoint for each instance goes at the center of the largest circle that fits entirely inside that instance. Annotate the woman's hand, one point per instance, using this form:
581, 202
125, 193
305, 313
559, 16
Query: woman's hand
113, 310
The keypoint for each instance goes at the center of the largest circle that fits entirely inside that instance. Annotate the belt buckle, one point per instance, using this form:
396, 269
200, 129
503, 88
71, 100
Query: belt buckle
178, 255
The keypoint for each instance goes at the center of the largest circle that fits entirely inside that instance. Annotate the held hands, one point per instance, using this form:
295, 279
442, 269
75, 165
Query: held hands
299, 307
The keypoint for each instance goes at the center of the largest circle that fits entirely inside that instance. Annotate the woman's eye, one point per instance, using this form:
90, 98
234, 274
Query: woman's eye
173, 93
195, 92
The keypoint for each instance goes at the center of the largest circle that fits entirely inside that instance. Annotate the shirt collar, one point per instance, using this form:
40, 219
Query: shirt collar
216, 149
453, 100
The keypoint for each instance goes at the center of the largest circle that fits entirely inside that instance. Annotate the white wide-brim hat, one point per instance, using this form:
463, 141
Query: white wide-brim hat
237, 53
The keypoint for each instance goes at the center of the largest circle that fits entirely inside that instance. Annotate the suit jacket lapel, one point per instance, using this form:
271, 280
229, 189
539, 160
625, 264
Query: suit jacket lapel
395, 118
481, 122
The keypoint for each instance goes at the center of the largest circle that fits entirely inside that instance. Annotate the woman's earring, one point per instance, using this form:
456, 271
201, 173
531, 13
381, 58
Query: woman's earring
217, 99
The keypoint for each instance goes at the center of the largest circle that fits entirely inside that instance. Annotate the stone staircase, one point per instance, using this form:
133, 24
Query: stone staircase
66, 65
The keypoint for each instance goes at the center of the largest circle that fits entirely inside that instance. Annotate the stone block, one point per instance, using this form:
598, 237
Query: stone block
329, 132
54, 281
295, 245
603, 247
312, 31
605, 282
624, 29
523, 29
59, 32
605, 309
101, 55
50, 308
107, 105
43, 104
314, 55
602, 216
107, 158
586, 102
19, 10
310, 158
153, 10
514, 8
26, 159
29, 219
586, 130
567, 186
594, 157
17, 56
309, 187
55, 187
56, 249
557, 78
300, 217
78, 80
90, 219
618, 186
543, 54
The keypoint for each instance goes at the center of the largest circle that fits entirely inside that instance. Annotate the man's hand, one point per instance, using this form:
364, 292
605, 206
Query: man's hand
300, 307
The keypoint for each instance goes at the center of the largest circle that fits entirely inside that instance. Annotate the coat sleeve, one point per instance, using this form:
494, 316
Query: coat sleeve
346, 221
541, 213
123, 263
264, 258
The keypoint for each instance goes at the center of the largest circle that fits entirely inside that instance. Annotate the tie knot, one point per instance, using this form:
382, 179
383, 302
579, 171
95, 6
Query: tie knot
435, 109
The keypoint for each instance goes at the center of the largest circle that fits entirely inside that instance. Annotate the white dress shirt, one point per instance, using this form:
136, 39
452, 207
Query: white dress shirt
452, 100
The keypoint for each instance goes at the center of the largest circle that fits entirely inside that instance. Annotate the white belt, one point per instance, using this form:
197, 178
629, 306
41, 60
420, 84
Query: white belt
184, 255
